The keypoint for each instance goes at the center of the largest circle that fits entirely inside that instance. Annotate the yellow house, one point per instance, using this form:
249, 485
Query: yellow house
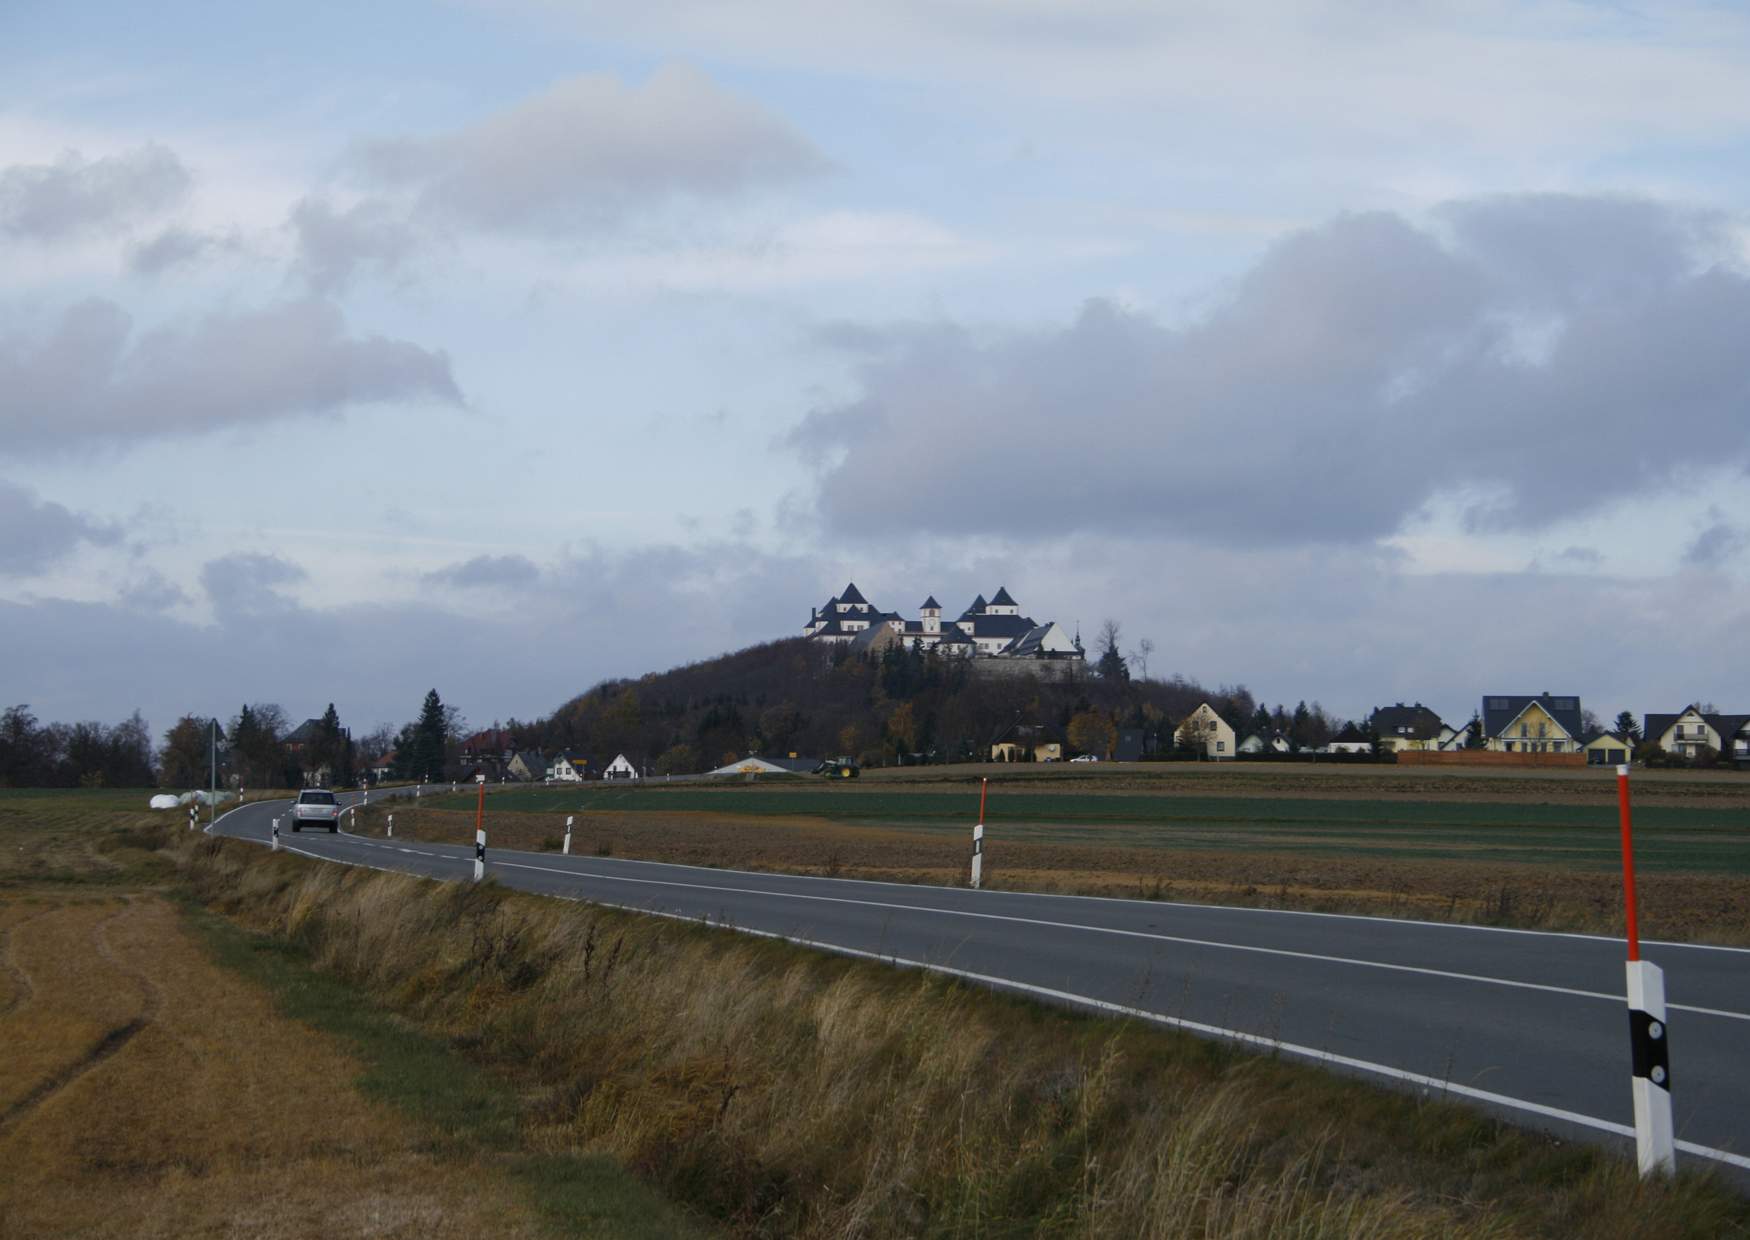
1206, 731
1535, 723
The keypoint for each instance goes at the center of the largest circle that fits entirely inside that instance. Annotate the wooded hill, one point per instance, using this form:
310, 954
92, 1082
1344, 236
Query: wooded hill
818, 700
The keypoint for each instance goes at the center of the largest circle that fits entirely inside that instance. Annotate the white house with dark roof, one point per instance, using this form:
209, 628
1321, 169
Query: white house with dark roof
1532, 723
991, 630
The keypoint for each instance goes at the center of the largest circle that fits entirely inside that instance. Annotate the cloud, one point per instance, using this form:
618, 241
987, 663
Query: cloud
1716, 545
176, 247
589, 151
486, 570
333, 246
1517, 351
246, 584
93, 377
35, 533
75, 197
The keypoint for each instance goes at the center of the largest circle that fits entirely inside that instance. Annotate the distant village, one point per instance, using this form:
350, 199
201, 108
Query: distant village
992, 636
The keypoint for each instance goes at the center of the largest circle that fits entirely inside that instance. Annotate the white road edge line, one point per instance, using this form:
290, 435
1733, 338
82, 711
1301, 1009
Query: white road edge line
1152, 936
1104, 1005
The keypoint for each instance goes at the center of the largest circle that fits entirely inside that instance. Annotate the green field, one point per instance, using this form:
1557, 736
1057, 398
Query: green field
1700, 840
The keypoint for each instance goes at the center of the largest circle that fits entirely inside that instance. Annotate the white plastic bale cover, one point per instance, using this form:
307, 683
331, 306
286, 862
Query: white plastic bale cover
165, 800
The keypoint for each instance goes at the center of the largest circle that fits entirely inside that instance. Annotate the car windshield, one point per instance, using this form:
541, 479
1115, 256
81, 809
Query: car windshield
316, 798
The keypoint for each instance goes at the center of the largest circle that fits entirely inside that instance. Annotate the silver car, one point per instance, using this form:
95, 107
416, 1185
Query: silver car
316, 807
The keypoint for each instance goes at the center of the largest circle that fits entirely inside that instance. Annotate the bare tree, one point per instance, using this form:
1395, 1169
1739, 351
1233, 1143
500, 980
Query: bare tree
1139, 656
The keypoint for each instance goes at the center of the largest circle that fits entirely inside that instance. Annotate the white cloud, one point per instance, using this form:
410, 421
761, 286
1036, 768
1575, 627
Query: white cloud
587, 152
74, 197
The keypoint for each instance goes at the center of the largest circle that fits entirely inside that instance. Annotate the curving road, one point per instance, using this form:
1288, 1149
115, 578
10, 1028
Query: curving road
1530, 1025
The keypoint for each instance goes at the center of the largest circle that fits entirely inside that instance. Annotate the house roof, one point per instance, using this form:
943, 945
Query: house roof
304, 733
1501, 709
952, 636
1415, 722
987, 625
976, 609
852, 595
930, 604
1350, 735
1002, 598
1597, 734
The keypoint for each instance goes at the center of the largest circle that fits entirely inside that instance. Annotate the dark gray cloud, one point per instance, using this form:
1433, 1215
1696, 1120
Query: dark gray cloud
1716, 545
487, 570
1532, 353
92, 377
75, 197
247, 584
34, 533
589, 617
334, 246
586, 152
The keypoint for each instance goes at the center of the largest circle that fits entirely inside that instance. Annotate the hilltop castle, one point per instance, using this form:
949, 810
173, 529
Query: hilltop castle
985, 630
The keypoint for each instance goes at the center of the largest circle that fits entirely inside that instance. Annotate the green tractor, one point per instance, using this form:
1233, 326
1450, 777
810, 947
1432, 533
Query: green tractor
838, 768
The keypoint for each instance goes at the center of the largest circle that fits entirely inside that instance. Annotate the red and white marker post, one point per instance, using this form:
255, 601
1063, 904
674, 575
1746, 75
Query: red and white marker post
480, 831
978, 837
1649, 1036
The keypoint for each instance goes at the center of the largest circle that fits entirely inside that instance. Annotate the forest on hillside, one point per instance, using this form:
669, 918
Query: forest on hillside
795, 696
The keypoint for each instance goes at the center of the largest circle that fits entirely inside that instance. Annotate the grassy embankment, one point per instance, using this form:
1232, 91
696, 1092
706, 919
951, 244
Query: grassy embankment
168, 1075
790, 1093
1501, 848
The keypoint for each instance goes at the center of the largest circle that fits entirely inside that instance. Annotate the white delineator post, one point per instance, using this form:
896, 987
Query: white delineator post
1649, 1037
276, 835
480, 831
566, 850
191, 815
978, 837
391, 826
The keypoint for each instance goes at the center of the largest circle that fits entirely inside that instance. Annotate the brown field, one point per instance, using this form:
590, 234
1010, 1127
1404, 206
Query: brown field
1711, 908
146, 1092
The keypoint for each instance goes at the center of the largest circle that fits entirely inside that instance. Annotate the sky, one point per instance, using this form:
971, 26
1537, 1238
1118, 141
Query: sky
1358, 353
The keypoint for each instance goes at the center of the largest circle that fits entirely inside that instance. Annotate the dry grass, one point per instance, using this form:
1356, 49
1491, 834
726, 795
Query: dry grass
793, 1094
147, 1093
1711, 908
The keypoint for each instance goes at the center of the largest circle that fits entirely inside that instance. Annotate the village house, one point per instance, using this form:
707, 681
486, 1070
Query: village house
1205, 731
526, 766
1415, 727
1688, 733
568, 768
620, 768
1272, 741
1028, 742
1350, 740
1532, 723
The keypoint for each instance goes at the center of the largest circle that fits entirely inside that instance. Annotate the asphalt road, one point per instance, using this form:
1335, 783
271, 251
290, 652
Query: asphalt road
1530, 1025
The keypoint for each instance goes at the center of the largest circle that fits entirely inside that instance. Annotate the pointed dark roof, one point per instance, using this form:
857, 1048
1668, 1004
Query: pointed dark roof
1409, 722
851, 595
977, 608
1350, 735
1501, 709
931, 603
1002, 599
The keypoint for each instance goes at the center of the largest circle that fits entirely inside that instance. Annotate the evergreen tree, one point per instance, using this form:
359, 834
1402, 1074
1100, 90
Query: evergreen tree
429, 736
1474, 730
1627, 725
